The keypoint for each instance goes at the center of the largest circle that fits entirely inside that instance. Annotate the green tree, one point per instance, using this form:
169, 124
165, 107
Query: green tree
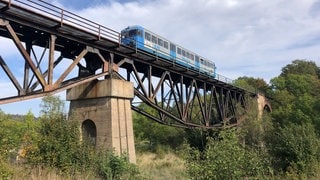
295, 147
52, 106
294, 140
297, 93
301, 67
154, 133
252, 84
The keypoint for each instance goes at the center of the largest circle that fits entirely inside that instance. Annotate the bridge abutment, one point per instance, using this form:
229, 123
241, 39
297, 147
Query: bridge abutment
103, 109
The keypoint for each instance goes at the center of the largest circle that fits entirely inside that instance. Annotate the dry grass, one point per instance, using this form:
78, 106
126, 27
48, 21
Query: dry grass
39, 173
155, 167
167, 166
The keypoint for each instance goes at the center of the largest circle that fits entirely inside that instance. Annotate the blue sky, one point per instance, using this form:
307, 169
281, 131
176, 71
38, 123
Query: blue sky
252, 38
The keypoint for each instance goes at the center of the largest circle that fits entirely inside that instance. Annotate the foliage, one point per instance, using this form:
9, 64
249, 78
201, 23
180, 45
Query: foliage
297, 94
51, 106
58, 147
154, 133
11, 133
252, 84
116, 167
294, 141
301, 67
224, 158
295, 147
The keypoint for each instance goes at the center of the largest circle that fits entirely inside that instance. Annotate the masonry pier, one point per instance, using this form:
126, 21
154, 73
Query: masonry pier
103, 109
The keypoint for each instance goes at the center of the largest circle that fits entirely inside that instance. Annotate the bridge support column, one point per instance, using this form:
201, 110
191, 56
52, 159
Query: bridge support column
103, 109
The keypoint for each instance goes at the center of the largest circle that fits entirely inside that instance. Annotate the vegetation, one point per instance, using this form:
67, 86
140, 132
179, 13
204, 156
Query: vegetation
281, 145
44, 144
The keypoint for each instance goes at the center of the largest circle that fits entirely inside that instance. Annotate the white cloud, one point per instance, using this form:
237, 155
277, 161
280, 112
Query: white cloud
232, 33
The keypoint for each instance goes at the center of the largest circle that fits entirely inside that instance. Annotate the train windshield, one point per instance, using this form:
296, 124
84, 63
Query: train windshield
134, 32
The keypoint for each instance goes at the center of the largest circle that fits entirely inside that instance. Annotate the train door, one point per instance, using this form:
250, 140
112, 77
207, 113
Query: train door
138, 35
172, 51
197, 62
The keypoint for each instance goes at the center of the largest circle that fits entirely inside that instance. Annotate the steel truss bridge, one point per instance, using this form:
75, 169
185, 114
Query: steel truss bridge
58, 50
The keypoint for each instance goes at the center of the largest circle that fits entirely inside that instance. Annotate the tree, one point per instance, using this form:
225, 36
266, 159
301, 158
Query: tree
295, 147
51, 106
301, 67
296, 93
294, 140
252, 84
154, 133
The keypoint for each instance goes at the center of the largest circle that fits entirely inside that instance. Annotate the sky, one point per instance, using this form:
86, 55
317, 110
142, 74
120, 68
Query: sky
253, 38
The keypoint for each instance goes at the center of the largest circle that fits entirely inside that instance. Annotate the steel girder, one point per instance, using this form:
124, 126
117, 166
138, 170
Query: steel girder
182, 100
38, 66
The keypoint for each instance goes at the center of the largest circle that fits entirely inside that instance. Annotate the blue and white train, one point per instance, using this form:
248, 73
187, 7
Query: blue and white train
143, 39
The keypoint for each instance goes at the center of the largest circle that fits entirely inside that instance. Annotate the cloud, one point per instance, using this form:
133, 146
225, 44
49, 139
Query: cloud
231, 33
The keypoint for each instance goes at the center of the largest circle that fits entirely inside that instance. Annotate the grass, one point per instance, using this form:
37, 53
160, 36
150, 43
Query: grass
151, 166
166, 166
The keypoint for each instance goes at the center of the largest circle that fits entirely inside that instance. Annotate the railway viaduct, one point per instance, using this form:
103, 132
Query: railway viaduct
105, 80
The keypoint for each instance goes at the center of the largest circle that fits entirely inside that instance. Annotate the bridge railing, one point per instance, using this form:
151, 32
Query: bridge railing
67, 18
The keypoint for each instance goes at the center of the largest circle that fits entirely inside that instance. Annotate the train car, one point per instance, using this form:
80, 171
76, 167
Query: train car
143, 39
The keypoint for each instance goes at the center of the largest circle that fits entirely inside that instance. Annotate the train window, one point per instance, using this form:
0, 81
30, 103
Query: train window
132, 33
179, 50
166, 45
183, 53
148, 36
172, 47
188, 55
192, 57
160, 42
201, 61
197, 59
135, 32
125, 34
154, 39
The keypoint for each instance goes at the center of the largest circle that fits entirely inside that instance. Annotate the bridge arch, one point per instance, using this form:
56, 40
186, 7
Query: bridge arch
263, 105
89, 131
267, 108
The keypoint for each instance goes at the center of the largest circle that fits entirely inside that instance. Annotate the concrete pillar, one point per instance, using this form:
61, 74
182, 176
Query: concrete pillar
107, 105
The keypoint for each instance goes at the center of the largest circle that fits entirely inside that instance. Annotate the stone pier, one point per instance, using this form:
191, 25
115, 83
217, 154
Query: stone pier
263, 105
103, 109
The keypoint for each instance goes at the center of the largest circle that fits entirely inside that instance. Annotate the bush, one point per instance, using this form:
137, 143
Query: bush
58, 146
116, 167
224, 158
5, 170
